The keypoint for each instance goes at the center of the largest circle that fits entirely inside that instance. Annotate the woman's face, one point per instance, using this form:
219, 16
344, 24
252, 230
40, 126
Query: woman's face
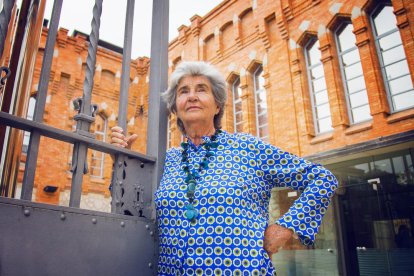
195, 101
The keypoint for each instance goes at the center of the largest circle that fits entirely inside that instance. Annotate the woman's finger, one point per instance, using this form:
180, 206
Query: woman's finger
117, 129
131, 139
118, 142
118, 135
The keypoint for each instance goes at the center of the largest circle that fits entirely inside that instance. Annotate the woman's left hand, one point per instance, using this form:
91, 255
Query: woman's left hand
275, 237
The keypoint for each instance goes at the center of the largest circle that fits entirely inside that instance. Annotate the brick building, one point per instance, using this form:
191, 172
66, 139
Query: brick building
328, 80
331, 81
53, 176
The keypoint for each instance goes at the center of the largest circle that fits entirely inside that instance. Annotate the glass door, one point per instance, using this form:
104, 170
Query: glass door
376, 207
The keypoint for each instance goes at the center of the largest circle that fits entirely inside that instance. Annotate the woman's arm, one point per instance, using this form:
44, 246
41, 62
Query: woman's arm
316, 183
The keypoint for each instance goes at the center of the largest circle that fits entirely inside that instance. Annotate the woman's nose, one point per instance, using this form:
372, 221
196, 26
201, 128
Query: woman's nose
192, 95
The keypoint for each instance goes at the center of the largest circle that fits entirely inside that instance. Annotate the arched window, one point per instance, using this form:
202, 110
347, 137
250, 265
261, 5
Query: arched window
262, 130
107, 79
209, 47
29, 116
317, 87
98, 158
227, 36
394, 65
237, 106
169, 129
247, 23
351, 69
175, 63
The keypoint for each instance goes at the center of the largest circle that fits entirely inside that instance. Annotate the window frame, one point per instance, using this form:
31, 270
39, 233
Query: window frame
259, 70
234, 89
310, 43
345, 81
376, 11
101, 160
29, 116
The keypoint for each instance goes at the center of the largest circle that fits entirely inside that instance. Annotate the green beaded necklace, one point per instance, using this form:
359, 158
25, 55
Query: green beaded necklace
191, 179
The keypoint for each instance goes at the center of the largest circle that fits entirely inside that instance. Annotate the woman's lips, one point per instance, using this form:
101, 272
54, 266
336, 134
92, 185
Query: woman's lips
193, 107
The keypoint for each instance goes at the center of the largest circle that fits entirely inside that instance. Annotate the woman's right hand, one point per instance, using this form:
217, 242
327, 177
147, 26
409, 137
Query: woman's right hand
118, 138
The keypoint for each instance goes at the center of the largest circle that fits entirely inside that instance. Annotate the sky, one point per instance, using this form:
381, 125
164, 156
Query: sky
77, 14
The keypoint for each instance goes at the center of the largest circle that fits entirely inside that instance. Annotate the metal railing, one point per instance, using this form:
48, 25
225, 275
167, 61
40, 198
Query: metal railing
114, 243
82, 138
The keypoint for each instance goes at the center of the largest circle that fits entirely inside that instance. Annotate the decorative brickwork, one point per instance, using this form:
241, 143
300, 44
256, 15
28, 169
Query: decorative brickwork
275, 32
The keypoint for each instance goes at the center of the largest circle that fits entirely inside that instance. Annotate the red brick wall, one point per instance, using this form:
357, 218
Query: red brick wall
273, 34
66, 84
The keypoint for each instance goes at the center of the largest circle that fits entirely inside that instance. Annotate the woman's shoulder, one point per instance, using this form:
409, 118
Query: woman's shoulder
173, 153
243, 137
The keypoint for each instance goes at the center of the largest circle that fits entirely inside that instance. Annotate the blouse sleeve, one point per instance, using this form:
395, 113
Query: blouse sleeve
317, 184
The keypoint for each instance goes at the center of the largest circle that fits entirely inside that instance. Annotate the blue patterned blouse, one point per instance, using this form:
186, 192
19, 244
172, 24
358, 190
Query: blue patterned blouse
232, 198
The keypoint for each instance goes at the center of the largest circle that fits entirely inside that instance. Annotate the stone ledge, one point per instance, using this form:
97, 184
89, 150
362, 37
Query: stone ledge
402, 115
358, 128
322, 138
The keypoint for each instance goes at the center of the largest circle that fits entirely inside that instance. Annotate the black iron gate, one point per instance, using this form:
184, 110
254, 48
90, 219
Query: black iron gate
41, 239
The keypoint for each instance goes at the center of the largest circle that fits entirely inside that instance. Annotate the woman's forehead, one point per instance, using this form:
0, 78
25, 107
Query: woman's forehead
194, 81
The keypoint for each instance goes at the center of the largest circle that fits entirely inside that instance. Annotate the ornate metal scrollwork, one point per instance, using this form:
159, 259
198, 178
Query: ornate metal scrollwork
4, 77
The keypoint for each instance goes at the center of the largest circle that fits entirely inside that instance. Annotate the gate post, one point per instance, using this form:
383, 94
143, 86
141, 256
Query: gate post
157, 111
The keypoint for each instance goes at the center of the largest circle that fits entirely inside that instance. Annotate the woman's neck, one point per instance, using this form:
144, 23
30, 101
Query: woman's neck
196, 133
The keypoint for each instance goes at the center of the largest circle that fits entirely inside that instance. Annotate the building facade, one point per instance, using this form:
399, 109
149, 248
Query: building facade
331, 81
53, 173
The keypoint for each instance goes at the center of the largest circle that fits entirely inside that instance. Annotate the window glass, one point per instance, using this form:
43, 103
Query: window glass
323, 111
390, 41
346, 38
321, 97
355, 85
260, 104
325, 124
385, 20
362, 112
393, 55
358, 98
29, 116
353, 71
397, 69
351, 57
353, 75
264, 131
237, 106
314, 55
394, 65
373, 204
98, 157
317, 72
317, 83
404, 101
401, 84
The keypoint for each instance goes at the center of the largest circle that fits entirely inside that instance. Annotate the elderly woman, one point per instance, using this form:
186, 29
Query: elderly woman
212, 202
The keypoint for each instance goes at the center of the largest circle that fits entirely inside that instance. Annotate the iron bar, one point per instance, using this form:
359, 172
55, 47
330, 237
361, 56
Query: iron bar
157, 111
126, 65
32, 151
7, 119
4, 22
119, 168
86, 110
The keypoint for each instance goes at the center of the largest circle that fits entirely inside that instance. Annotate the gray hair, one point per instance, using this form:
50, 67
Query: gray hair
197, 68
